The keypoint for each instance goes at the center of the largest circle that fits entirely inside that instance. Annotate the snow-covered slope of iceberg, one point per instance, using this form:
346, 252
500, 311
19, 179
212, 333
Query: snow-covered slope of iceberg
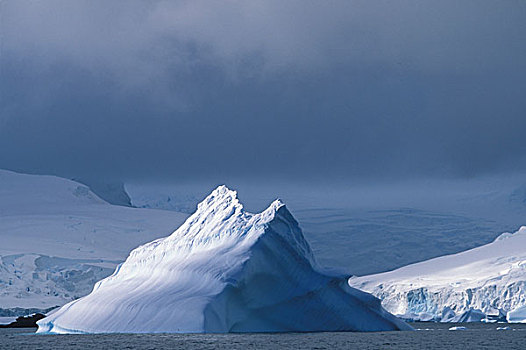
488, 281
57, 238
224, 270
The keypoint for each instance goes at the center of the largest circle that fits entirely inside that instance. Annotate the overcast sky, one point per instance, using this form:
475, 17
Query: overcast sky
284, 89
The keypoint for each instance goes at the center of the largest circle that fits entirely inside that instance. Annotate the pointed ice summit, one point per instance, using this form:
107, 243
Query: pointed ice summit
223, 270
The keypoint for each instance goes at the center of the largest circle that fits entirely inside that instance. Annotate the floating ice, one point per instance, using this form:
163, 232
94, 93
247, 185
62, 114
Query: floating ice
224, 270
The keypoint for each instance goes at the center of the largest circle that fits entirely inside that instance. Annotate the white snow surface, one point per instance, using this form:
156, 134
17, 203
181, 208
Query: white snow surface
223, 270
57, 239
474, 285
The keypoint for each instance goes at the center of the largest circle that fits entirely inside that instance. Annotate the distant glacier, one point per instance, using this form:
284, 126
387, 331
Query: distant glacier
57, 238
487, 283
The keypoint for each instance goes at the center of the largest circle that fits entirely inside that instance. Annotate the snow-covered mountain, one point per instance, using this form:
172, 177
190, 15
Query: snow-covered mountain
57, 239
224, 270
485, 282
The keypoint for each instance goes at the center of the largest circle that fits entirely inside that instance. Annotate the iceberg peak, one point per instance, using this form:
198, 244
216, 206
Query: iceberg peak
222, 196
276, 205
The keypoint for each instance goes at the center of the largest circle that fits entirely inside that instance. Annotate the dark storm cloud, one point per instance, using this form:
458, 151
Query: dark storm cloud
186, 89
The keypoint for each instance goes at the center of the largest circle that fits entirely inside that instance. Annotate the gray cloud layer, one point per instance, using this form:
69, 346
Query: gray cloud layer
308, 89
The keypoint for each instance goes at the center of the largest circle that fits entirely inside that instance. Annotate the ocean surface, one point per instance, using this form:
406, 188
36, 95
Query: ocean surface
426, 336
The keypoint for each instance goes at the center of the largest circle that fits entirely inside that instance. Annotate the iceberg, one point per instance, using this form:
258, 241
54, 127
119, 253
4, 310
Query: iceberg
481, 284
223, 270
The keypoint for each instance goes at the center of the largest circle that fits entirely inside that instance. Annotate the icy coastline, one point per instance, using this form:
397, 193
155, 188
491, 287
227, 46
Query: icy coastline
485, 284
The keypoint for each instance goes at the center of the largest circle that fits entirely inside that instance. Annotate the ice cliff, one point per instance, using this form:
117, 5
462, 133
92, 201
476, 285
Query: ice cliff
482, 284
223, 270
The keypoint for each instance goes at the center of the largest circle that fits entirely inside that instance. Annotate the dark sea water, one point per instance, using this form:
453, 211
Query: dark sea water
426, 336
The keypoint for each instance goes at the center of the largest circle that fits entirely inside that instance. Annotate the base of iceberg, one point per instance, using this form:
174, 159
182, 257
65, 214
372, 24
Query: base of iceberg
224, 270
